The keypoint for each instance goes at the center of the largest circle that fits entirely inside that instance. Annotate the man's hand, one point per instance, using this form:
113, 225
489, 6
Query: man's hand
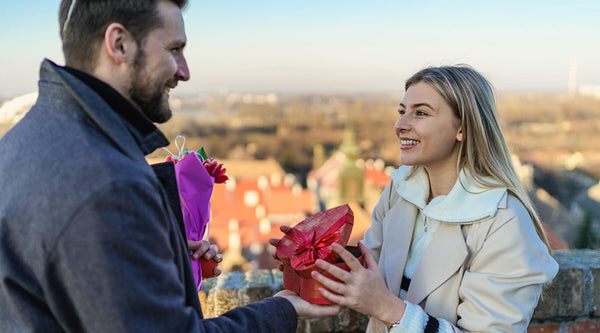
275, 241
206, 250
307, 310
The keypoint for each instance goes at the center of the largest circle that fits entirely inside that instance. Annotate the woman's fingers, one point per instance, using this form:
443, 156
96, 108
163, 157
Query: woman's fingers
348, 257
368, 258
333, 297
339, 273
335, 286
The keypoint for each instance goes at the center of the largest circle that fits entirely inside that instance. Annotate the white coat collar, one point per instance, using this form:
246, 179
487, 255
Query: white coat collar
469, 204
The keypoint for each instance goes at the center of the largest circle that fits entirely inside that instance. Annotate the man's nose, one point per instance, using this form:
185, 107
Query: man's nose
183, 71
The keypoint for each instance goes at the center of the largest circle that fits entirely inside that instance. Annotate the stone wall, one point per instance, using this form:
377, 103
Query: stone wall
571, 303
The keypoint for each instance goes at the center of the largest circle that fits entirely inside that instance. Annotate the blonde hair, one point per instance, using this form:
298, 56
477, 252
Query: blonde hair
483, 151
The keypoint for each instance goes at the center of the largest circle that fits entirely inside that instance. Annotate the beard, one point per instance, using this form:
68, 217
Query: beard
149, 95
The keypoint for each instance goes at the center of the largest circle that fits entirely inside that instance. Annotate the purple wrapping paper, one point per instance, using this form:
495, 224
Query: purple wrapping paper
195, 189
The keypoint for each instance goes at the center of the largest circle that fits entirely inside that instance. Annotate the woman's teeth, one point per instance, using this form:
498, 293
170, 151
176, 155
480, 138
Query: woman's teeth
409, 142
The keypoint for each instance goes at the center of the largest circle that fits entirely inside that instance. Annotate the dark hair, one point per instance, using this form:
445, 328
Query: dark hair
82, 27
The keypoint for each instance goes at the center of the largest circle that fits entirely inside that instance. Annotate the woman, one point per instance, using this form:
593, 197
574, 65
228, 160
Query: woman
455, 243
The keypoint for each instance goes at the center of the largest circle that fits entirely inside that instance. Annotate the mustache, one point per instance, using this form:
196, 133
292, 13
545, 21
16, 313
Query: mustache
172, 83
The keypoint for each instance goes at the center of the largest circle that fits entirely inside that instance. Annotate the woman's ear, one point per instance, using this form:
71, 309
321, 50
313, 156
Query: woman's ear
459, 135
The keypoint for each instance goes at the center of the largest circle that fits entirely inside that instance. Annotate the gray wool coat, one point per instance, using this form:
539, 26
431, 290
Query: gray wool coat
88, 241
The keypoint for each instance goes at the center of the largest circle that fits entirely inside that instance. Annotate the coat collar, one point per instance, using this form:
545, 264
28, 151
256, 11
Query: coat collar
467, 202
124, 135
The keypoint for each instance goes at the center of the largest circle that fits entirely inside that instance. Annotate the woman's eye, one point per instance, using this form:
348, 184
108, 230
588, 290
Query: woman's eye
421, 113
401, 112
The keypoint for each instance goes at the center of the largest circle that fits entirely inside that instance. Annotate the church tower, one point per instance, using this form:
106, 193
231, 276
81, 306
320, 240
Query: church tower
351, 176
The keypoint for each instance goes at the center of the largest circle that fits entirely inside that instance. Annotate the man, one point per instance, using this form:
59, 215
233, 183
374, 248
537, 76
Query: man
88, 239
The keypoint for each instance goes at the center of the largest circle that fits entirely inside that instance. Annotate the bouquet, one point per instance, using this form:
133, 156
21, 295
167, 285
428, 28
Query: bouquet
196, 175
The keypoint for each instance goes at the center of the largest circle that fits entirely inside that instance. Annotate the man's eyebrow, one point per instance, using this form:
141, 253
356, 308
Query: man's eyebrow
177, 44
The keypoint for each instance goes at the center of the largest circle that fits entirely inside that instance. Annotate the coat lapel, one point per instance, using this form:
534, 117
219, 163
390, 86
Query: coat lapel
442, 258
398, 235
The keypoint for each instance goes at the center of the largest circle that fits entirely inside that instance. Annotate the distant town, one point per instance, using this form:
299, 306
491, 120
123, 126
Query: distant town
291, 156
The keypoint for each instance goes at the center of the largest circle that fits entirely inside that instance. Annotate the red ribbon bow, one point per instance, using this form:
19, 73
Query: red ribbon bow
310, 249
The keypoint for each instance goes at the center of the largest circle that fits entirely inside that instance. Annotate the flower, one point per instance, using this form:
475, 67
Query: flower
214, 168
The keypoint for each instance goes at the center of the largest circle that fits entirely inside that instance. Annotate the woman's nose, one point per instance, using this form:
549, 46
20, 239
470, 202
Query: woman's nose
401, 124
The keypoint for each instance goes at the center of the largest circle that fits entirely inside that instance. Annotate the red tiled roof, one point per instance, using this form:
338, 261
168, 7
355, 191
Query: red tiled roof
281, 206
376, 177
286, 201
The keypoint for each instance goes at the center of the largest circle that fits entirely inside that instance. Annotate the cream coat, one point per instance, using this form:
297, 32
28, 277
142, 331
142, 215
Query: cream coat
484, 269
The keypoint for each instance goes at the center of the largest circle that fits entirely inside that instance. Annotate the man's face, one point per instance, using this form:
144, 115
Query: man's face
159, 64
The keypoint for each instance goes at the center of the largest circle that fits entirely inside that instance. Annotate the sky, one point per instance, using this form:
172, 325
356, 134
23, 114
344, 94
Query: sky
326, 46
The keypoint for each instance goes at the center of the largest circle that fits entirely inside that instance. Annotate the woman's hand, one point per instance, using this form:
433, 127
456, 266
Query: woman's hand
361, 289
203, 248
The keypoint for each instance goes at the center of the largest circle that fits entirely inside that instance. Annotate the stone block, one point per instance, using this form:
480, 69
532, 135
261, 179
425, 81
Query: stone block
596, 276
209, 312
254, 294
545, 328
260, 278
225, 299
202, 296
259, 285
569, 282
589, 263
207, 298
277, 276
301, 328
584, 326
320, 325
352, 321
226, 295
208, 284
591, 260
547, 306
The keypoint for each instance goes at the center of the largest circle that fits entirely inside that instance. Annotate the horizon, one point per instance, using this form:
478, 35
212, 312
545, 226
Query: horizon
309, 47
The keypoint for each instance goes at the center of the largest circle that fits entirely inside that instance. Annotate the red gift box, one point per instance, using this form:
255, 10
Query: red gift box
310, 240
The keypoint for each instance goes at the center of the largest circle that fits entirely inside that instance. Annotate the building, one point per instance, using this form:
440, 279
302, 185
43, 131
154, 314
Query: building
249, 209
344, 178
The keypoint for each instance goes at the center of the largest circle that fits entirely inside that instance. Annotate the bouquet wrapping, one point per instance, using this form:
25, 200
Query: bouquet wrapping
310, 240
196, 175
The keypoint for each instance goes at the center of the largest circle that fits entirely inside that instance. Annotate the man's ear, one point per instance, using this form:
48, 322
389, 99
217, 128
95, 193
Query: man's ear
119, 44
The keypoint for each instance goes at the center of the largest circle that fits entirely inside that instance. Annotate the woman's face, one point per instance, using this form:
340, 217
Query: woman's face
428, 130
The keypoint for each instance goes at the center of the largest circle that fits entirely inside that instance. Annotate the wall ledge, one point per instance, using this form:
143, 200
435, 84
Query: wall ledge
570, 303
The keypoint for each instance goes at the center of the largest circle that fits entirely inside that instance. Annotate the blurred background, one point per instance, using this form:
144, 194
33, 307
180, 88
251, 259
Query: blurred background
298, 100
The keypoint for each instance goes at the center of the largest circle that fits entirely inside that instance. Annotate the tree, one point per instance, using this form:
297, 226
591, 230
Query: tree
586, 237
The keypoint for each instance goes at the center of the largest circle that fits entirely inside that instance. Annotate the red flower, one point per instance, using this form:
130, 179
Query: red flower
216, 170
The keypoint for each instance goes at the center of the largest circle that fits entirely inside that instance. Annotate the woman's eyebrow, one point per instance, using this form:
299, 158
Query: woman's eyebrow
416, 105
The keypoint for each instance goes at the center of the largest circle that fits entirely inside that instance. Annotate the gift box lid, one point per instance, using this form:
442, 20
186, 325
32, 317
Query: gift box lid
311, 239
